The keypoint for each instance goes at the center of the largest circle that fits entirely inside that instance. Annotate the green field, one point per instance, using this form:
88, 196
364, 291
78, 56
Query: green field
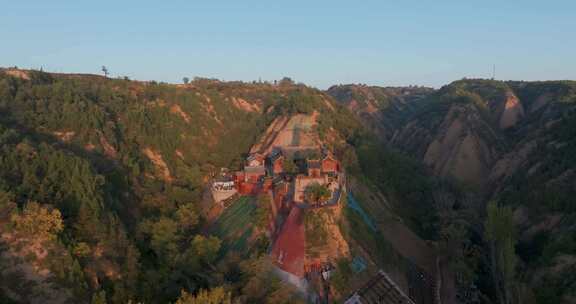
235, 225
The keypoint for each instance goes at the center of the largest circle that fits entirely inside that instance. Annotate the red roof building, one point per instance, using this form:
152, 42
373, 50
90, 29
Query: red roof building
314, 168
277, 164
330, 164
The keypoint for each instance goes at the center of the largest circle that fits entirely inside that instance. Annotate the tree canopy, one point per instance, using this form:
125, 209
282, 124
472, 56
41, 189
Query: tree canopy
316, 193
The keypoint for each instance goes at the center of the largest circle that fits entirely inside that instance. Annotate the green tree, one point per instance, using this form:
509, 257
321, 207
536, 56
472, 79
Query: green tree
213, 296
499, 232
342, 275
261, 285
316, 193
82, 250
87, 224
289, 166
286, 81
164, 237
7, 204
75, 276
259, 279
99, 297
187, 217
264, 211
206, 248
186, 80
38, 221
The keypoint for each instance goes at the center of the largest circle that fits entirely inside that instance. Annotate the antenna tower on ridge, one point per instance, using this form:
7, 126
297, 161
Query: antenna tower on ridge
493, 72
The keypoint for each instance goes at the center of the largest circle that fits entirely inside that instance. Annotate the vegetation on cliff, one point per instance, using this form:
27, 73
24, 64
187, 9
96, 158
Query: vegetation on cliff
107, 175
511, 142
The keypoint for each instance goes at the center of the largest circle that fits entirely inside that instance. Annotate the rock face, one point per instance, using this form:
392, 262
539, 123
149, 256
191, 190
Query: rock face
457, 143
512, 113
159, 163
380, 108
477, 131
18, 73
176, 109
511, 162
244, 105
457, 150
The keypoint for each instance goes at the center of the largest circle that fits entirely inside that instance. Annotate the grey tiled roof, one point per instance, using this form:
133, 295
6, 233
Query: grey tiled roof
379, 290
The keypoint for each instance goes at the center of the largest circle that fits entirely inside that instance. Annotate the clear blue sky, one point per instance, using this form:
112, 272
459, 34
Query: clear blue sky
320, 43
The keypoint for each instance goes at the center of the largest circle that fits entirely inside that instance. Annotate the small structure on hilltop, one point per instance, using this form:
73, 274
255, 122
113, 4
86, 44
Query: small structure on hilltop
223, 186
379, 290
314, 167
329, 164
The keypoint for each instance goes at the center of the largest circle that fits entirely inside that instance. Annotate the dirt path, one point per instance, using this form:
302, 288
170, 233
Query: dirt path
271, 133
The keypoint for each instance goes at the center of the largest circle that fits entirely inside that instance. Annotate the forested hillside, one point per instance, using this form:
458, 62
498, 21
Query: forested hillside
124, 165
102, 185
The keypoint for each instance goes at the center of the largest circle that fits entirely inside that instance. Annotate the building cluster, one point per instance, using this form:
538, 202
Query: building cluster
261, 172
288, 174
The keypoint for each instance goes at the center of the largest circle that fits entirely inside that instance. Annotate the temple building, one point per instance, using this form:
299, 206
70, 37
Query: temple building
329, 164
314, 167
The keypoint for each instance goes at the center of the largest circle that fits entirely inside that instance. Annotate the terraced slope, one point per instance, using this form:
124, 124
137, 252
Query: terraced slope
234, 227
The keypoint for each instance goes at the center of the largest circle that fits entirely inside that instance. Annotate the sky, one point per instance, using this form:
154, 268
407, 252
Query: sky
319, 43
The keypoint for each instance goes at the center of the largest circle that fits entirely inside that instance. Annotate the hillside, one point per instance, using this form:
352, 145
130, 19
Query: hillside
104, 190
510, 142
382, 109
126, 164
119, 170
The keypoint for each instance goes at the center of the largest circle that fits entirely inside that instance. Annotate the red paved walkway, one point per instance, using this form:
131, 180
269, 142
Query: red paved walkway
288, 250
